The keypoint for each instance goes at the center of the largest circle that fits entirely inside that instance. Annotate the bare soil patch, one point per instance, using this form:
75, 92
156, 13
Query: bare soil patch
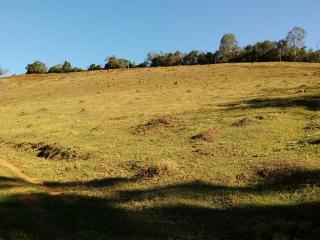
28, 179
161, 124
248, 121
208, 135
52, 151
153, 171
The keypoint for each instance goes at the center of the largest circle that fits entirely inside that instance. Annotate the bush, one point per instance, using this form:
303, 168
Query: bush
66, 67
191, 58
94, 67
76, 69
55, 69
165, 59
114, 63
36, 67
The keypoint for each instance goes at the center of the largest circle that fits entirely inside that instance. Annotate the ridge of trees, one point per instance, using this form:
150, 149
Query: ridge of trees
290, 49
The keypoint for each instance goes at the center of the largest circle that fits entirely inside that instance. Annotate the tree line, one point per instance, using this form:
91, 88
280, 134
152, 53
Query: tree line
291, 49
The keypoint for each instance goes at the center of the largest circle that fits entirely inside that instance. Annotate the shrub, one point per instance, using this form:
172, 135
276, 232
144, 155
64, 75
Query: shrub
114, 63
67, 67
76, 69
55, 69
94, 67
165, 59
36, 67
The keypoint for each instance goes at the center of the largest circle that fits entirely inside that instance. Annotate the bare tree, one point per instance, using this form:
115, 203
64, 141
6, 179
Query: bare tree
295, 39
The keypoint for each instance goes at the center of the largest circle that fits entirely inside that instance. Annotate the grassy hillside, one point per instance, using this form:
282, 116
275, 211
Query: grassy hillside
205, 152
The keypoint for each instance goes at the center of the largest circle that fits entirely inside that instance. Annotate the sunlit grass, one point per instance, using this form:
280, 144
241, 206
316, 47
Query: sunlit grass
98, 114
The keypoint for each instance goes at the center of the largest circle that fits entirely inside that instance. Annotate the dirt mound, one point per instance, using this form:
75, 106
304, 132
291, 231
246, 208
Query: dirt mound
52, 152
207, 135
286, 174
162, 123
248, 121
158, 170
149, 172
56, 152
155, 171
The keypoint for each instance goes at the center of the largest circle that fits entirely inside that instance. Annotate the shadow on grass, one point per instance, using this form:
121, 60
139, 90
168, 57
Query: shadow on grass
6, 182
308, 102
72, 216
97, 183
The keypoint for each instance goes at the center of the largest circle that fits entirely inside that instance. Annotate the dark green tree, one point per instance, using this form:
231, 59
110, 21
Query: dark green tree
114, 63
55, 69
266, 51
36, 67
77, 69
67, 67
94, 67
191, 58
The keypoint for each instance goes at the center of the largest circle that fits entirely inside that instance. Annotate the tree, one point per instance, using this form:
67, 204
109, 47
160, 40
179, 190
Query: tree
312, 56
36, 67
282, 46
77, 69
228, 47
67, 67
114, 63
266, 51
295, 39
94, 67
173, 59
153, 59
191, 58
56, 69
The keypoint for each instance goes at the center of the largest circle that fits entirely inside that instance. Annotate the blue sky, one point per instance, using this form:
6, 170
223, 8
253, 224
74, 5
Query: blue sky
87, 31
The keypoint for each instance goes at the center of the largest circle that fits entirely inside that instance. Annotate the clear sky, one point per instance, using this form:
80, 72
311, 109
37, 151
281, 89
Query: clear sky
87, 31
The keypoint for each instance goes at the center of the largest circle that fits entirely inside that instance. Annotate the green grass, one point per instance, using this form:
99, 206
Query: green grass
203, 190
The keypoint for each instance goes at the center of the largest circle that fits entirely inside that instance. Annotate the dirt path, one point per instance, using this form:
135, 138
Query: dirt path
34, 202
28, 179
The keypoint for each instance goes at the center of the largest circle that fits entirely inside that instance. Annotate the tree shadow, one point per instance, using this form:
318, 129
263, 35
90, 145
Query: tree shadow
72, 216
6, 182
311, 102
96, 183
280, 180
